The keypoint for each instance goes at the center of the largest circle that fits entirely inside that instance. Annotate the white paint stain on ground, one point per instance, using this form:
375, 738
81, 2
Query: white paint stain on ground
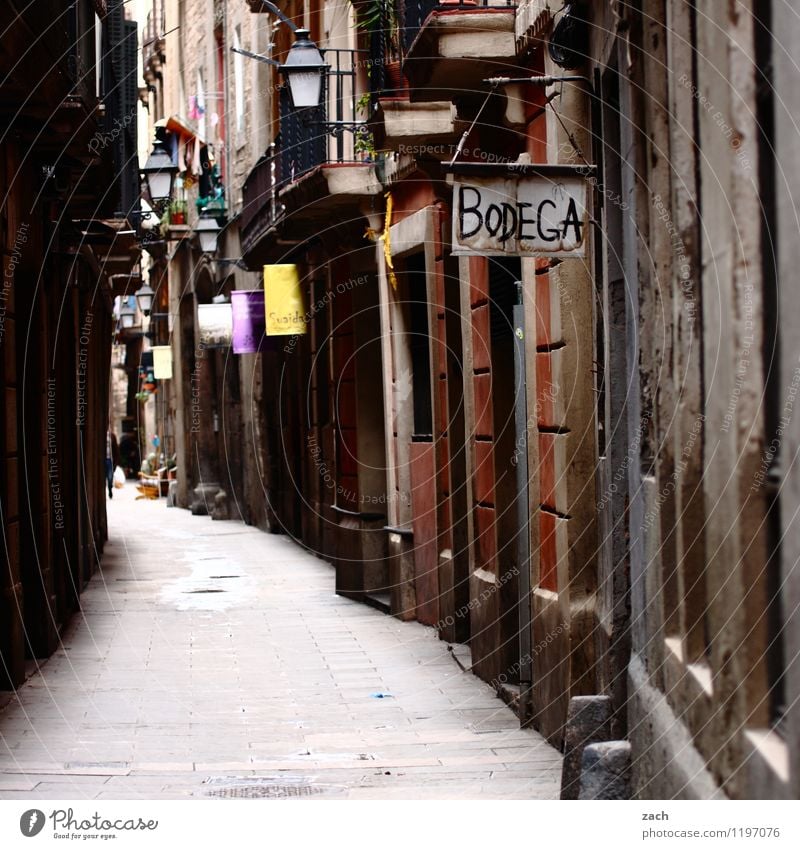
213, 584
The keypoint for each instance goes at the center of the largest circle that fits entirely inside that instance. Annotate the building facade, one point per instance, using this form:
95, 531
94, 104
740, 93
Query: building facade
579, 467
69, 207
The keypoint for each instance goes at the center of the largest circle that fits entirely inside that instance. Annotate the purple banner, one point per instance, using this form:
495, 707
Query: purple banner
248, 320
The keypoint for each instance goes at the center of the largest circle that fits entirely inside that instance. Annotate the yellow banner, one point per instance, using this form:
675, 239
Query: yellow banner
283, 301
162, 362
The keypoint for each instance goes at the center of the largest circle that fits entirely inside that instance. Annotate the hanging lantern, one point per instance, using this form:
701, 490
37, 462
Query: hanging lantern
207, 231
158, 173
127, 316
304, 70
144, 297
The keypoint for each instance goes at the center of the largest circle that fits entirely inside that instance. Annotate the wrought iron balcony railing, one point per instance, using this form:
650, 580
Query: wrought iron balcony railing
153, 32
307, 138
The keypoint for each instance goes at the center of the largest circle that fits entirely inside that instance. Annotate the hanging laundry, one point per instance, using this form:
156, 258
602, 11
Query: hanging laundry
196, 108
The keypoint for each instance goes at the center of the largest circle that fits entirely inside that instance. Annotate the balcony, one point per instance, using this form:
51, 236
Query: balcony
450, 49
278, 214
153, 42
47, 68
416, 128
310, 178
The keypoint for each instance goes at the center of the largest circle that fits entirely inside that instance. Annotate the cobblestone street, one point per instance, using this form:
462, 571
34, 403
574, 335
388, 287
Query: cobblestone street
213, 660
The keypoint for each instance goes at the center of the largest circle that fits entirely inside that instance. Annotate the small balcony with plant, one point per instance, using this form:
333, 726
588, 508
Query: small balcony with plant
322, 163
399, 121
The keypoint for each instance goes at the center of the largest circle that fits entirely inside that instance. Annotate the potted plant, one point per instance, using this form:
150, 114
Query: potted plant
177, 212
364, 147
381, 16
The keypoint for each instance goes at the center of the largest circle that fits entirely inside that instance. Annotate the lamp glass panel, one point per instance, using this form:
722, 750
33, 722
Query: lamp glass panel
145, 299
208, 240
159, 184
306, 87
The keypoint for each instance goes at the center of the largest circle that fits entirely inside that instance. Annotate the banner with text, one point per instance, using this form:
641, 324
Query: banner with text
283, 301
249, 320
162, 362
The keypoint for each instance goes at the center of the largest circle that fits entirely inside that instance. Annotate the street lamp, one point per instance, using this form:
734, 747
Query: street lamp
144, 297
207, 230
159, 171
304, 70
127, 316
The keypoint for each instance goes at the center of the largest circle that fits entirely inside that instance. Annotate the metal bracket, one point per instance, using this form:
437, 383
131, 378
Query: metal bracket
257, 56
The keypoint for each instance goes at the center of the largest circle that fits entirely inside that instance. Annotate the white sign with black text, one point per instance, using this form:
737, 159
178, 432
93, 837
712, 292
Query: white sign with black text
520, 216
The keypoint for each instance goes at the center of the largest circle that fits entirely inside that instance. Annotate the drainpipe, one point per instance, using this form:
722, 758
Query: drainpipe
523, 512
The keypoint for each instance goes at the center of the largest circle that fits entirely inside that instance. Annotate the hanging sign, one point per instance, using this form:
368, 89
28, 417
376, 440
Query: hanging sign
283, 301
249, 322
162, 362
519, 210
215, 324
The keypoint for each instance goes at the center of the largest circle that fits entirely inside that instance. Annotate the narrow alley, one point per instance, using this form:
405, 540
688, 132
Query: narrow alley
441, 359
213, 660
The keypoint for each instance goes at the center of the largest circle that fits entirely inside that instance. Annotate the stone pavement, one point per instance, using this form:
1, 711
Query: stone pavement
212, 660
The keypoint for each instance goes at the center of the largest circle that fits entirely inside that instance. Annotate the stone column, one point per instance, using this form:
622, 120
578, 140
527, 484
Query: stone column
205, 442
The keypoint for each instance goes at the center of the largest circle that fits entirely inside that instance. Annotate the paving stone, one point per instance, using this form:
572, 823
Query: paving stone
156, 691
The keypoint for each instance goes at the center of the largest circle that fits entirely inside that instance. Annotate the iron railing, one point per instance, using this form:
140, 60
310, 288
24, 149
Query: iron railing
414, 13
303, 142
155, 25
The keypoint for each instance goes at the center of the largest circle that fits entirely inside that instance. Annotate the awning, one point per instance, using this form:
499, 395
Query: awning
174, 125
